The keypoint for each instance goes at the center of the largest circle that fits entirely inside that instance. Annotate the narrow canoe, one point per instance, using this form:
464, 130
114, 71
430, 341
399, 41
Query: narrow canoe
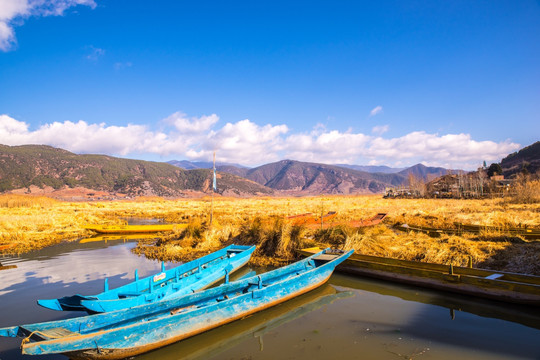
496, 285
526, 233
112, 237
133, 229
133, 331
183, 279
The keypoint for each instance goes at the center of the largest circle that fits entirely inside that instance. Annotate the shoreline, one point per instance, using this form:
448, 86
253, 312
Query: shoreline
31, 223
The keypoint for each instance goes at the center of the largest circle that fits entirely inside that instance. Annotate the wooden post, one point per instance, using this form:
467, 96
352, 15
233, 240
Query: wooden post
213, 189
322, 213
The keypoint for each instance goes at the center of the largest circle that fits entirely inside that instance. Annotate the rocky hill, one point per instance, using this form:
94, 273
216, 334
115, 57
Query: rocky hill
45, 166
525, 160
305, 178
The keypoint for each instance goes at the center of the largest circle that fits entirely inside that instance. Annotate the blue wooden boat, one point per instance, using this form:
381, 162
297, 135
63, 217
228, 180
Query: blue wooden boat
123, 333
183, 279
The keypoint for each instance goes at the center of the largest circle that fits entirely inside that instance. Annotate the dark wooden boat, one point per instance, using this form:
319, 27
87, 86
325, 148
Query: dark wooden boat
497, 285
124, 333
526, 233
434, 232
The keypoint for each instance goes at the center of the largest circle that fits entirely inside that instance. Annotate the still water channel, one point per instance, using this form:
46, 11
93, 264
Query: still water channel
347, 318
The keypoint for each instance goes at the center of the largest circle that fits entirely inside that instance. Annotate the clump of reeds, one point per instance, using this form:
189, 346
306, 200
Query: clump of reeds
276, 239
18, 201
447, 249
526, 190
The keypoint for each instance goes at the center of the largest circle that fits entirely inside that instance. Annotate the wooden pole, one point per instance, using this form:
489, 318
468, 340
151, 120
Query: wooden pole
213, 189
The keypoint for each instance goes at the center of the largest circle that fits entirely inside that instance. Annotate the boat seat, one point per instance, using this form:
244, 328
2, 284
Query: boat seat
56, 333
494, 276
326, 257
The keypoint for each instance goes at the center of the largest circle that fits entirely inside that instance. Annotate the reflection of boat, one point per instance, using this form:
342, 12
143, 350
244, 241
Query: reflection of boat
117, 237
7, 267
498, 285
215, 342
183, 279
526, 315
129, 332
134, 229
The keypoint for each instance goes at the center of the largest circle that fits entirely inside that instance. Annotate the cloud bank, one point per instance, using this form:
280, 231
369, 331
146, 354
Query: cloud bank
245, 142
14, 12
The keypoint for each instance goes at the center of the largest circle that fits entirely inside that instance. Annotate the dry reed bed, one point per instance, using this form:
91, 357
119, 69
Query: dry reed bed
32, 223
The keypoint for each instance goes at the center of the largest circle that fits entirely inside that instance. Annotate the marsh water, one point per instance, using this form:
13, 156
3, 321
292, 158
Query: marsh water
347, 318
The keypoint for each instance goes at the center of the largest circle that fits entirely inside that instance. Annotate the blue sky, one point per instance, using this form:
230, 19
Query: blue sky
393, 83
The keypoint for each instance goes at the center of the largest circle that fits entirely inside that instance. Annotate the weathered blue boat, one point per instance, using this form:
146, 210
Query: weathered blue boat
181, 280
136, 330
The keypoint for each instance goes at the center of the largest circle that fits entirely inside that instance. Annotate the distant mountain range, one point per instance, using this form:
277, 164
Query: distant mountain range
44, 166
24, 167
303, 178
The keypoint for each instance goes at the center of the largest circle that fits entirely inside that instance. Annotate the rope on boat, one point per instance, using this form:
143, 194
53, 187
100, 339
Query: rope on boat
27, 339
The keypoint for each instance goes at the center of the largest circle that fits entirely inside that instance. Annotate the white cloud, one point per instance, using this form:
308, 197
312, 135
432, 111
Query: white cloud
122, 65
191, 125
94, 53
380, 129
248, 143
15, 11
376, 111
328, 147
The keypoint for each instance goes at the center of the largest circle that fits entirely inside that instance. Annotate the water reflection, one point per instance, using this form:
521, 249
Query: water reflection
217, 341
455, 303
349, 318
123, 238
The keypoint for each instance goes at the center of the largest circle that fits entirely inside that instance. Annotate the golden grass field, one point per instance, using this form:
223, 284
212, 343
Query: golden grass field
28, 223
